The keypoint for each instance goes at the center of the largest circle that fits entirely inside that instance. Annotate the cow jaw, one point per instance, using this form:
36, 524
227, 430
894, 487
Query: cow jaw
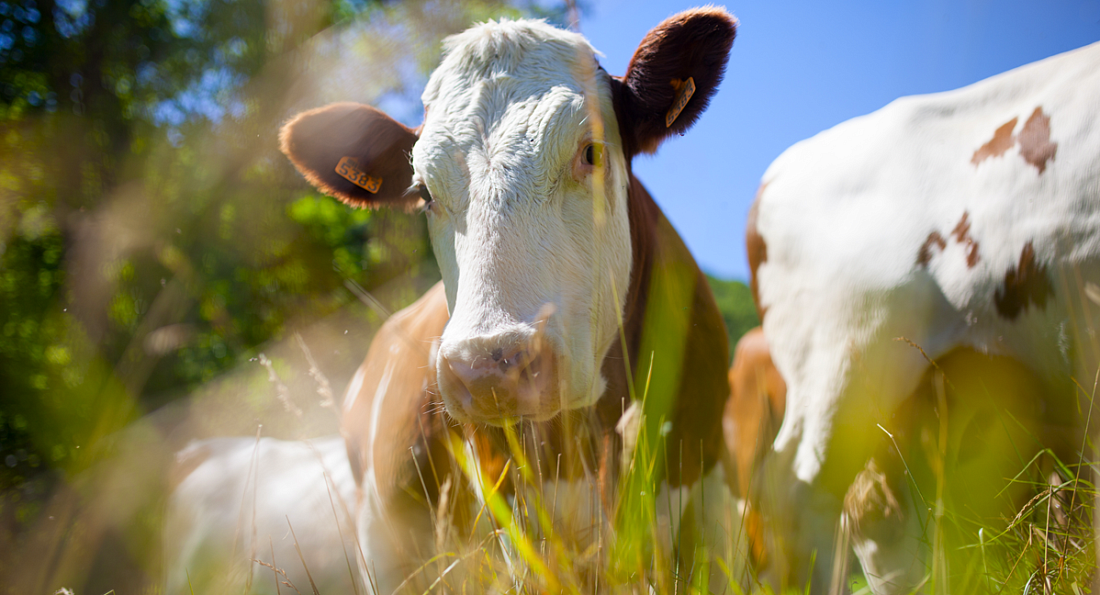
532, 240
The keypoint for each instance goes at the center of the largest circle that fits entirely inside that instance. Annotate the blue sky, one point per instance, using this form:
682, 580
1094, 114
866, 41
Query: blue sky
800, 67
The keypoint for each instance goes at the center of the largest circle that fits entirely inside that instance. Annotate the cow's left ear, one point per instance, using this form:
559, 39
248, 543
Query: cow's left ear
353, 152
672, 76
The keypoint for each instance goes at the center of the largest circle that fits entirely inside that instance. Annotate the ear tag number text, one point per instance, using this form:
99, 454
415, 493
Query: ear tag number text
349, 170
683, 95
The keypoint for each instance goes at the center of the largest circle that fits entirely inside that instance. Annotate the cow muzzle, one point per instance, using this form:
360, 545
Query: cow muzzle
499, 380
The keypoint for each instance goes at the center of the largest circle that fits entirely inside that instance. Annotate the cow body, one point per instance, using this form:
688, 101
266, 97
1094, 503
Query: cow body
235, 504
961, 219
565, 291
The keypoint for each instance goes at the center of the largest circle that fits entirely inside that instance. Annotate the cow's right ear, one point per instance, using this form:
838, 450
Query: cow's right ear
672, 76
353, 152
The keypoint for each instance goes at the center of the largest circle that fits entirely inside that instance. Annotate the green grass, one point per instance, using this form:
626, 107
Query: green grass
734, 300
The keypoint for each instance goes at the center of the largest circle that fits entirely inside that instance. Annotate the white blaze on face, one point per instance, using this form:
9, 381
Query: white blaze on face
532, 239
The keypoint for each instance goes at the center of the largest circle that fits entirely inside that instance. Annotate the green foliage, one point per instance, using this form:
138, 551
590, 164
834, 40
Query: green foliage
734, 299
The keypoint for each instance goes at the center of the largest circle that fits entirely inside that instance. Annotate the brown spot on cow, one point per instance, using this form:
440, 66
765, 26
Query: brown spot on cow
1035, 145
924, 255
962, 229
1025, 284
1034, 141
1002, 141
961, 233
756, 249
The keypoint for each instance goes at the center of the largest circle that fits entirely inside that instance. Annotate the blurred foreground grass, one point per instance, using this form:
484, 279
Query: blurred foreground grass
153, 244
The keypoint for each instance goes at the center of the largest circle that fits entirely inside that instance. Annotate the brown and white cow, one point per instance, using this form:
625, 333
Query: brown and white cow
961, 219
565, 290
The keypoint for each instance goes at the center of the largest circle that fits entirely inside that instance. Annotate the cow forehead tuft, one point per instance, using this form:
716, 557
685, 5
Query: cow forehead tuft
529, 51
507, 40
508, 91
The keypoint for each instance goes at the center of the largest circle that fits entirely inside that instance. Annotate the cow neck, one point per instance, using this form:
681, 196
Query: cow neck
677, 345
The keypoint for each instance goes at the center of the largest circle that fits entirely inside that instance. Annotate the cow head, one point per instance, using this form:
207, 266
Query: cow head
522, 167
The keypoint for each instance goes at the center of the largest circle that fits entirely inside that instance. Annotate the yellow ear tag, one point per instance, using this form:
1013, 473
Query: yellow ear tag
686, 90
349, 170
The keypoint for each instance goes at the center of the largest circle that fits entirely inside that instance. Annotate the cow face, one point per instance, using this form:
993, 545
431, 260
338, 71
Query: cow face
522, 168
521, 162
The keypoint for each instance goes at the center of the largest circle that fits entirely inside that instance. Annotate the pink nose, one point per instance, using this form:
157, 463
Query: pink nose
491, 382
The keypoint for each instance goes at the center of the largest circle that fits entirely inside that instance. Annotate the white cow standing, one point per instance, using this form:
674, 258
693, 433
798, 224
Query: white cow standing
962, 219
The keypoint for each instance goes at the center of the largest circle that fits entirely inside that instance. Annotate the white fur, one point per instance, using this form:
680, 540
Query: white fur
210, 533
843, 215
512, 228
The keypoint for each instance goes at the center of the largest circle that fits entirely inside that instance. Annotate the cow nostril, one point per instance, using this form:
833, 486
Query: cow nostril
517, 361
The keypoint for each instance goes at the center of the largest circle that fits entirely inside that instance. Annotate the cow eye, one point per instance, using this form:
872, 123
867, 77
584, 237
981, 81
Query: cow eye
425, 196
593, 154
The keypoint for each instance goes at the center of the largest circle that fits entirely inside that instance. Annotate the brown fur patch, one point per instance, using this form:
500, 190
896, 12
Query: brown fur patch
962, 235
1002, 141
1035, 145
924, 254
692, 44
1034, 141
756, 249
399, 354
694, 442
1025, 284
758, 401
